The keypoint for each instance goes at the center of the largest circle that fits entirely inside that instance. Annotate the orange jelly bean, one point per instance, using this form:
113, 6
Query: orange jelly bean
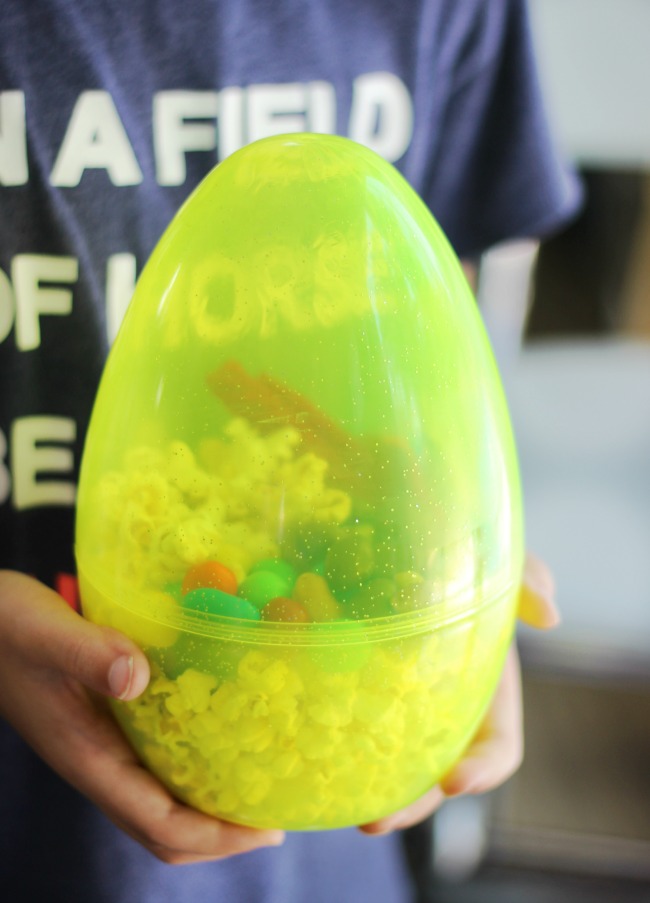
283, 609
212, 575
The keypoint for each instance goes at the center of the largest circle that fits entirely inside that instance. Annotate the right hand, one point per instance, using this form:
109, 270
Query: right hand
55, 667
496, 751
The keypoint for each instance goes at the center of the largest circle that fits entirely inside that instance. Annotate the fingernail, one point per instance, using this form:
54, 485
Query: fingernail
120, 675
382, 831
387, 826
461, 789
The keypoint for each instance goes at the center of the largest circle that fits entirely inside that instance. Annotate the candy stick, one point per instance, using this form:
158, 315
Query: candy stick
268, 404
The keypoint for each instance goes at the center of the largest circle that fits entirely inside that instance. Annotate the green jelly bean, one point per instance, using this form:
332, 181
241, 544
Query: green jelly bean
305, 544
262, 586
213, 601
279, 567
374, 600
351, 558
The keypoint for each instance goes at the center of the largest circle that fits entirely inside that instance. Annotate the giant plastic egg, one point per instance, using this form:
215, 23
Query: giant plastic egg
299, 494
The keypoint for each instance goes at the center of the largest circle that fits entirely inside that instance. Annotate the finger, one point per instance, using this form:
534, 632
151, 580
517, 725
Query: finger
135, 801
73, 731
411, 815
537, 595
493, 756
76, 735
175, 833
133, 798
178, 835
497, 749
41, 629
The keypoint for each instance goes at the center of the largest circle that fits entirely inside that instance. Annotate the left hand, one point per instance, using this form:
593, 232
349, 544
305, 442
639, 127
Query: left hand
496, 751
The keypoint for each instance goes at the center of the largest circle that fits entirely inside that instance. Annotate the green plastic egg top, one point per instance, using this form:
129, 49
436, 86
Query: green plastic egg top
300, 443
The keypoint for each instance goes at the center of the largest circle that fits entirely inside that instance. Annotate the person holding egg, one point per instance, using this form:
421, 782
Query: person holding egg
146, 103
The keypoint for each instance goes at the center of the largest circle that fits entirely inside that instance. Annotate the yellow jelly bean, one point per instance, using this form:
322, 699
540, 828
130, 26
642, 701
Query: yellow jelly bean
312, 590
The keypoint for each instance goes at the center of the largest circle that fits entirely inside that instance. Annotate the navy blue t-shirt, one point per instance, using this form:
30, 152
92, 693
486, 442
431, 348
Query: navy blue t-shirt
111, 112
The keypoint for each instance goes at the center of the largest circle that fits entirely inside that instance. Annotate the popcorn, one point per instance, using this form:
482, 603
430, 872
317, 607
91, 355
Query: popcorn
170, 509
195, 689
284, 739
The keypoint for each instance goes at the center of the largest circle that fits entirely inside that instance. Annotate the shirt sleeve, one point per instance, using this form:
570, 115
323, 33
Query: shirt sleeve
497, 174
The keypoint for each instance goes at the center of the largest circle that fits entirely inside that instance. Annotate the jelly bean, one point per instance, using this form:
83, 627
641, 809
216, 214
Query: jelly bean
201, 653
307, 543
279, 567
216, 602
374, 599
262, 586
313, 591
351, 557
284, 609
210, 574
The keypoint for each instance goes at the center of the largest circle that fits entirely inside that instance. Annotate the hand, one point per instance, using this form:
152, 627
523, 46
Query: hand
55, 667
497, 748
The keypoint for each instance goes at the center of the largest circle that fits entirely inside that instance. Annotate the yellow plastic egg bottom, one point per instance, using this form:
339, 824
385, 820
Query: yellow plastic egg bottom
315, 726
306, 736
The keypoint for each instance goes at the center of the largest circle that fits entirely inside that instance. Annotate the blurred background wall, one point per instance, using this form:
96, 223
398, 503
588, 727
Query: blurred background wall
571, 328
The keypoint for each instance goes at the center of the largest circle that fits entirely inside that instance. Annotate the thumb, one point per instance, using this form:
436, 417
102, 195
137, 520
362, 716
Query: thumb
41, 629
